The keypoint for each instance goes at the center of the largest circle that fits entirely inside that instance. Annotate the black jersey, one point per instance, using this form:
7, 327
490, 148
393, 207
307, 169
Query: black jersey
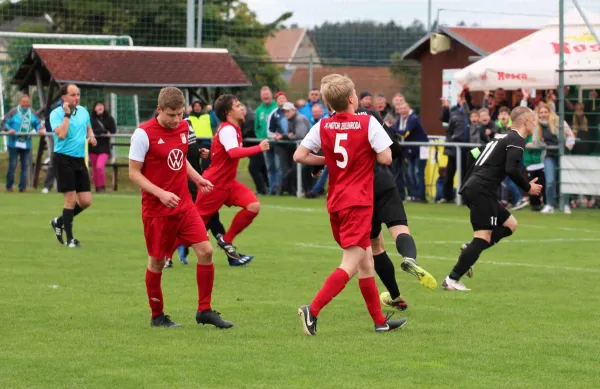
502, 156
384, 178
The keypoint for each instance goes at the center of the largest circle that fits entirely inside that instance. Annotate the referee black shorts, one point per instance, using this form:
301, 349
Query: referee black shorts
486, 211
388, 209
71, 174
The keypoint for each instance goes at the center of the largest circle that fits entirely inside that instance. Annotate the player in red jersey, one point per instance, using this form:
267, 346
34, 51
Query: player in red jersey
158, 165
351, 144
226, 152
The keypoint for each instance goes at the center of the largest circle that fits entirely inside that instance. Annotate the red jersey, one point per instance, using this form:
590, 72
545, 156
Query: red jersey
163, 152
350, 144
222, 171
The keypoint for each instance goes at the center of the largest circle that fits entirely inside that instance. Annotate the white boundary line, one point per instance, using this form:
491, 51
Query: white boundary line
514, 264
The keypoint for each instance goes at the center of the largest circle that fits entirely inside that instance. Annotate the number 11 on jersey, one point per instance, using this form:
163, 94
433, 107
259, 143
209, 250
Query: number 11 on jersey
339, 149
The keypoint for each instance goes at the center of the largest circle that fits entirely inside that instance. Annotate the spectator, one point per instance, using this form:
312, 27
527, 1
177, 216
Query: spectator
504, 123
204, 123
487, 127
50, 173
409, 127
439, 184
381, 105
548, 124
102, 124
261, 126
489, 102
476, 135
456, 132
298, 126
314, 98
532, 159
317, 114
278, 125
300, 103
366, 100
393, 116
23, 122
581, 131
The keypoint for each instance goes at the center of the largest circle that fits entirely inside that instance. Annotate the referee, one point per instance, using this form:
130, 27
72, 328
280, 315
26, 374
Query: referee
72, 129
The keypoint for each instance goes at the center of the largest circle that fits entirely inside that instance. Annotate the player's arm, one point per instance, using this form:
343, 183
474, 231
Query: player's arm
514, 156
380, 142
229, 139
311, 142
203, 184
59, 124
140, 145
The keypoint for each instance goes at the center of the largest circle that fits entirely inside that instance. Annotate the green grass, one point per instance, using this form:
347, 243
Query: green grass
80, 318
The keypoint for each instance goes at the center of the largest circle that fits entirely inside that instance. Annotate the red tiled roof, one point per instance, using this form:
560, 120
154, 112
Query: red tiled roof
489, 40
371, 79
127, 66
282, 45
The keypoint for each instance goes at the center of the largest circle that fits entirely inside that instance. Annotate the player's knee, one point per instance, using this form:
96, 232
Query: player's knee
511, 223
156, 265
254, 207
398, 229
204, 252
85, 203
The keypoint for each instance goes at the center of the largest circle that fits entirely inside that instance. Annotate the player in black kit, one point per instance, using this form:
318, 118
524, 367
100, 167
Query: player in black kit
389, 210
490, 220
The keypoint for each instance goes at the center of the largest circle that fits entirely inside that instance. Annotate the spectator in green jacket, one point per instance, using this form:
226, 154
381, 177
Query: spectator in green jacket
261, 125
532, 159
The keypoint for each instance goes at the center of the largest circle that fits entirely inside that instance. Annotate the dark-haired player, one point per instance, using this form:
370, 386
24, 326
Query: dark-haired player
490, 220
226, 152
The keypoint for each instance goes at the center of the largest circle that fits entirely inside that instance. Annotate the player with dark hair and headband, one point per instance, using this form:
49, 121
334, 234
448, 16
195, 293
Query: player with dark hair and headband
492, 222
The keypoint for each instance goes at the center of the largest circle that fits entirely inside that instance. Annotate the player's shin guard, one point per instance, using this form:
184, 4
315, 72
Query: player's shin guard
468, 257
405, 244
333, 285
368, 288
205, 277
384, 267
241, 220
154, 290
500, 233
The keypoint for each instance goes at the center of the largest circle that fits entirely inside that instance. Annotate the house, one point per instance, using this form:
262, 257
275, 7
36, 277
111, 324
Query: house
460, 47
366, 78
292, 48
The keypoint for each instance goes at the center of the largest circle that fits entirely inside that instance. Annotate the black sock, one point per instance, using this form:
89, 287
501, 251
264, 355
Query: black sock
405, 244
499, 233
67, 222
77, 209
468, 257
387, 274
215, 226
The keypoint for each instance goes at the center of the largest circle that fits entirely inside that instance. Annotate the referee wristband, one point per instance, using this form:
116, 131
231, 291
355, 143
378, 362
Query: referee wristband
67, 115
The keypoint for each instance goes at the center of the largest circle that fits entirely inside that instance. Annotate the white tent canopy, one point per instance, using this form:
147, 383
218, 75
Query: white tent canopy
532, 62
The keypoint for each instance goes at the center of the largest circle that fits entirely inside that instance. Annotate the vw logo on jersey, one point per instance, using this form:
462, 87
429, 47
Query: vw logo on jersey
175, 159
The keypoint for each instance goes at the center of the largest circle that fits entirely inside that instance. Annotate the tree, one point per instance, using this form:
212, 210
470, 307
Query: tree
408, 72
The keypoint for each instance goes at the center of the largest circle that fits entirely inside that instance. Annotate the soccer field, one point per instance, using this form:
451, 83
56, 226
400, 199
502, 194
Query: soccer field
79, 318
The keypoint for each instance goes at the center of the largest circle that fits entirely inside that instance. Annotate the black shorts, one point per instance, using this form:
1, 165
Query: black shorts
388, 209
486, 211
71, 174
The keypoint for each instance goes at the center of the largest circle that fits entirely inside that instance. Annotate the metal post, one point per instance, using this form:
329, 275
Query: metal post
585, 20
429, 15
310, 72
199, 25
561, 94
4, 138
458, 174
190, 24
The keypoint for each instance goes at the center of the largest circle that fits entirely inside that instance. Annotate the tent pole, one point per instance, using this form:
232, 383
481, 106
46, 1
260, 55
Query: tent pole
561, 96
586, 21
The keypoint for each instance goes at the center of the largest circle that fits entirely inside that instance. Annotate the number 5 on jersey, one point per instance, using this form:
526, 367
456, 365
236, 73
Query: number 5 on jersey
339, 149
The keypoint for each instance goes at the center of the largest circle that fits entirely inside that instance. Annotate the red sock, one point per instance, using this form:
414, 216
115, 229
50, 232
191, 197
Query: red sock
241, 220
205, 277
368, 288
333, 285
155, 297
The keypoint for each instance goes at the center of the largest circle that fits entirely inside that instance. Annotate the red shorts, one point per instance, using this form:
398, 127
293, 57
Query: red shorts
164, 233
237, 194
352, 226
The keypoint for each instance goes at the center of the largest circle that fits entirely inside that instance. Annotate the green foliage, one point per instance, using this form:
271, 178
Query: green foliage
408, 72
364, 42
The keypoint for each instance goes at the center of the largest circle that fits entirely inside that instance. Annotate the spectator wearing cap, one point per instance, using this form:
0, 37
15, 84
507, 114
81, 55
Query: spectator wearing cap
277, 126
366, 100
314, 98
298, 126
